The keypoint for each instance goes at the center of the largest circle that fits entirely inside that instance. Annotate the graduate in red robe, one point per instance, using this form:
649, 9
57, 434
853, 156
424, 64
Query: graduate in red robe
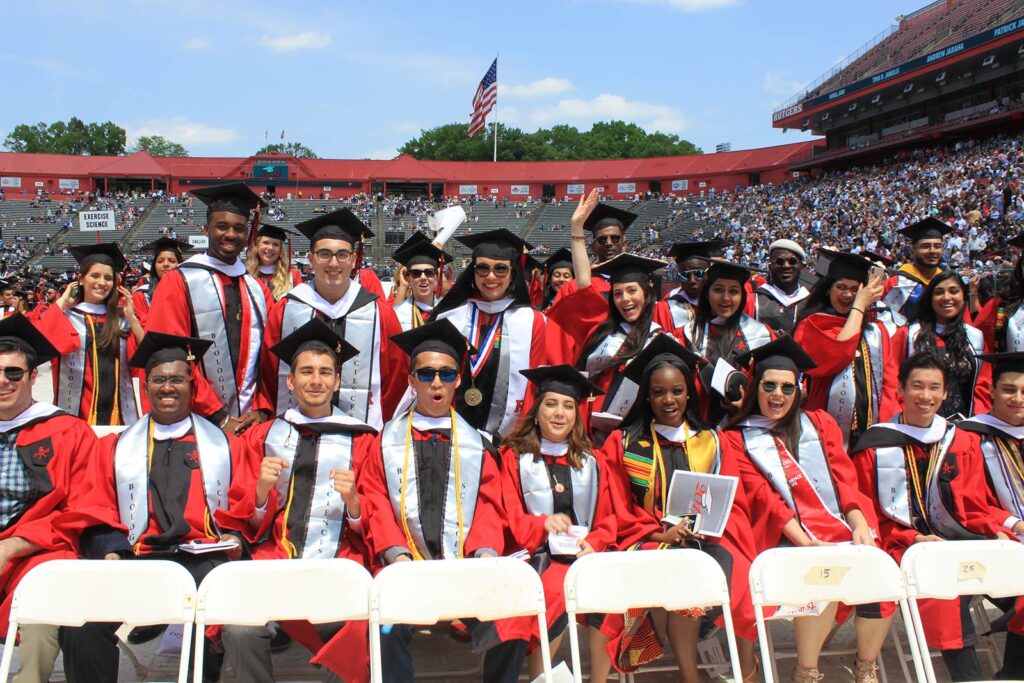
554, 482
408, 510
926, 481
799, 478
939, 326
44, 454
1001, 318
855, 374
372, 382
167, 255
282, 507
212, 296
269, 262
678, 307
664, 433
417, 280
902, 291
95, 328
557, 271
155, 486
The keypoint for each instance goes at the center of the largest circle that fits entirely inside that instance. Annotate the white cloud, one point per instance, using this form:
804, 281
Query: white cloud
540, 88
779, 83
307, 40
179, 129
691, 5
649, 115
197, 43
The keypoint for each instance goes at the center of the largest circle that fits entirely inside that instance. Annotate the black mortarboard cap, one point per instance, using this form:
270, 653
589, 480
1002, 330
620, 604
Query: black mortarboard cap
1004, 362
500, 244
664, 347
560, 259
561, 379
845, 265
234, 198
275, 232
782, 353
721, 269
341, 224
629, 268
704, 249
437, 335
929, 228
604, 215
166, 244
420, 251
316, 334
16, 329
107, 253
1017, 241
157, 347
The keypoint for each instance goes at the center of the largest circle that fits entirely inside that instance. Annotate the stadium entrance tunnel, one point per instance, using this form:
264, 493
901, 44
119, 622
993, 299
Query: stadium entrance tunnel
406, 189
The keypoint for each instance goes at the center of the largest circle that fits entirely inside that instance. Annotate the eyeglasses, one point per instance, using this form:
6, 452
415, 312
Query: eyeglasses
418, 273
173, 380
326, 255
447, 375
500, 270
608, 239
695, 274
788, 388
783, 262
14, 374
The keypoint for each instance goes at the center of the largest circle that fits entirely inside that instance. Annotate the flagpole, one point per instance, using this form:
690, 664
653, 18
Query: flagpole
496, 113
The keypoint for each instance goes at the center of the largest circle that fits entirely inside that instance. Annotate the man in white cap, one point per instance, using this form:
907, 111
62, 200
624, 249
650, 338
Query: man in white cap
776, 302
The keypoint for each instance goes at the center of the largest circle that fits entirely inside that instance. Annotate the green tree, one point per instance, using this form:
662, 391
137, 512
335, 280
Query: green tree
159, 146
296, 149
71, 137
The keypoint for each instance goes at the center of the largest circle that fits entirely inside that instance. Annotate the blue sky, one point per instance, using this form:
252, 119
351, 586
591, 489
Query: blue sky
356, 80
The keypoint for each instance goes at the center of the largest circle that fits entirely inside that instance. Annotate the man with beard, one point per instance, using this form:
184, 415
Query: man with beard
777, 302
903, 289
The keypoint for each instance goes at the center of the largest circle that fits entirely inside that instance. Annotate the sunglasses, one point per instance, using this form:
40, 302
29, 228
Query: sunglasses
447, 375
695, 274
608, 239
788, 388
783, 262
483, 270
14, 374
417, 273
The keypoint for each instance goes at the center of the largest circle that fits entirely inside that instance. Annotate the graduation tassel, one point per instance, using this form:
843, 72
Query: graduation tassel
359, 261
255, 227
439, 288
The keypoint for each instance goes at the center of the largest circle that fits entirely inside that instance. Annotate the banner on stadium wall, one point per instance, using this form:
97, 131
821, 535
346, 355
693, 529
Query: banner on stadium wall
68, 183
520, 189
927, 60
96, 220
40, 183
199, 241
625, 187
467, 189
577, 188
678, 185
327, 188
8, 181
494, 190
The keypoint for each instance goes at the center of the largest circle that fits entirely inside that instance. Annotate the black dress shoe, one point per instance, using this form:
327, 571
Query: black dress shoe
144, 634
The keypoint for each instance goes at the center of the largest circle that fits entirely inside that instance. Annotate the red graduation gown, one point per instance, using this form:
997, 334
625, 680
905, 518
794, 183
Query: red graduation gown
944, 627
58, 330
983, 380
527, 531
57, 452
171, 313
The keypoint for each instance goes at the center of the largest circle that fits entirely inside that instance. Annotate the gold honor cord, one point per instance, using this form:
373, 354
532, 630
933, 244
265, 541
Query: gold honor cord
1012, 457
286, 543
416, 555
657, 463
915, 478
115, 415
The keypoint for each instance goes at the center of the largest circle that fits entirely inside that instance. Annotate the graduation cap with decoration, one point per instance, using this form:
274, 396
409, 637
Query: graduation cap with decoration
157, 348
564, 380
107, 253
318, 335
17, 331
929, 228
629, 268
339, 225
605, 215
440, 336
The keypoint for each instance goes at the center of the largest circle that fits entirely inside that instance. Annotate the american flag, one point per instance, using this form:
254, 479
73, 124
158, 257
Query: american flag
485, 99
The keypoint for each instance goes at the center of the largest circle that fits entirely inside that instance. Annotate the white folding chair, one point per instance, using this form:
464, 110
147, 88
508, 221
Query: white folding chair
427, 592
258, 592
954, 568
75, 592
607, 583
852, 574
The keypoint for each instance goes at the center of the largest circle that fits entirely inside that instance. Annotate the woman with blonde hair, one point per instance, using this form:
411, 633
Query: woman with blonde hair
269, 262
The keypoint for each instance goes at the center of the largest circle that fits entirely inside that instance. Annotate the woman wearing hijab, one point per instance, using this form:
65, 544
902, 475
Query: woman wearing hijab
95, 328
664, 434
167, 254
854, 377
798, 475
270, 263
553, 484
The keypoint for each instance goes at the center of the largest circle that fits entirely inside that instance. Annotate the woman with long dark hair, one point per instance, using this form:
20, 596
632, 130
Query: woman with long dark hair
553, 482
557, 271
95, 328
799, 477
661, 435
270, 263
939, 327
167, 254
854, 377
